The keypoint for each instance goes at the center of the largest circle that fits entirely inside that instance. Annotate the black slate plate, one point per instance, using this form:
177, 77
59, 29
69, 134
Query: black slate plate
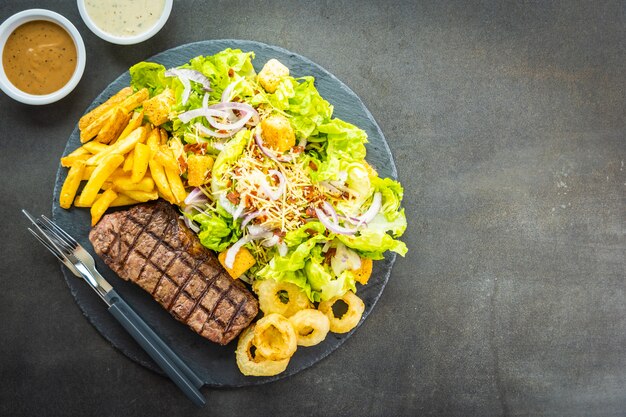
216, 364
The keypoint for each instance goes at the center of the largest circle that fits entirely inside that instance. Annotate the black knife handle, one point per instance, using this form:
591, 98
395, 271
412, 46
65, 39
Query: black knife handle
162, 354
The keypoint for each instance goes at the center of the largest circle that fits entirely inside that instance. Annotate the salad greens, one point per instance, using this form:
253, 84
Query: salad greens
343, 210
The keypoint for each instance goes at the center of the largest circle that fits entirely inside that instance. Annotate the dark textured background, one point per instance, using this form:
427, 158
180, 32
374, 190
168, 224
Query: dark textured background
507, 124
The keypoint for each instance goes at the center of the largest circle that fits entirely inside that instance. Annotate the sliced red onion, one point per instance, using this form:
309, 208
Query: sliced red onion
229, 90
369, 215
205, 101
249, 217
196, 197
248, 110
267, 190
190, 74
257, 230
272, 241
239, 211
330, 187
282, 249
208, 132
206, 112
330, 210
330, 225
232, 252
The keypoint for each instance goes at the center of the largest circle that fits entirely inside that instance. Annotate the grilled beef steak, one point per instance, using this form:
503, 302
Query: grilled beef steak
149, 245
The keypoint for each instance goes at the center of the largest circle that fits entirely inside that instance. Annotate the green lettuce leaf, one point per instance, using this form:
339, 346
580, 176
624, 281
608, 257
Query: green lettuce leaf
148, 75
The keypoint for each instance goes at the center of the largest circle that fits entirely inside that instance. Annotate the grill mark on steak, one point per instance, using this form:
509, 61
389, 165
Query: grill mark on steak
201, 296
181, 288
196, 290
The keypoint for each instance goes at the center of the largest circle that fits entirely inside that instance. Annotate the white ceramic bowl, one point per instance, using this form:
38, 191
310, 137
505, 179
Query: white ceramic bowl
125, 40
30, 15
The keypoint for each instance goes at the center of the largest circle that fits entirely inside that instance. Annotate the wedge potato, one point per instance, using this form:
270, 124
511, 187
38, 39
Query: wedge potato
118, 97
101, 204
71, 184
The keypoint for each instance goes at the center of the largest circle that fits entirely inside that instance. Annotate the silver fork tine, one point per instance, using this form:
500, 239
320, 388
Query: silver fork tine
60, 232
48, 246
55, 237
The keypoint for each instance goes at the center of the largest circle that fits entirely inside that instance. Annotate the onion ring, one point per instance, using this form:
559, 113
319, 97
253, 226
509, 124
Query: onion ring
350, 319
311, 326
272, 294
255, 365
274, 337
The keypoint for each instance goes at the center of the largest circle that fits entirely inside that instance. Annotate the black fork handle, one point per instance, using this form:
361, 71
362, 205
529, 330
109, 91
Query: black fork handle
178, 371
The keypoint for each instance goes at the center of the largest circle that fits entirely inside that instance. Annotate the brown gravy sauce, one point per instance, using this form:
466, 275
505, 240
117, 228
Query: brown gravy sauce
39, 57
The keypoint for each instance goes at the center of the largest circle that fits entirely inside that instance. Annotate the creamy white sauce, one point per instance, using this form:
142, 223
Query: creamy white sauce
125, 17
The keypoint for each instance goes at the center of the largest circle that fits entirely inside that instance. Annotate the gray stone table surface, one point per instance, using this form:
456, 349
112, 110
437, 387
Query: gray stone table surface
507, 124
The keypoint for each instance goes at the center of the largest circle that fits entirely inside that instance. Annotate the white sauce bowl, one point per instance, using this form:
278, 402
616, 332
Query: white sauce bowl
30, 15
125, 40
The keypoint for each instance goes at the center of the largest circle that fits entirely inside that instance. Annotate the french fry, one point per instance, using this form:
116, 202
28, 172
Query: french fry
98, 177
101, 204
176, 184
197, 168
164, 157
94, 147
123, 200
160, 180
134, 122
70, 186
141, 196
114, 126
118, 97
154, 140
129, 161
120, 147
140, 162
126, 184
87, 173
164, 136
68, 161
79, 151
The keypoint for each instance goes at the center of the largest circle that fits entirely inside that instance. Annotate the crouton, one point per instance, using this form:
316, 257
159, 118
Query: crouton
157, 109
277, 133
243, 261
272, 73
198, 167
362, 274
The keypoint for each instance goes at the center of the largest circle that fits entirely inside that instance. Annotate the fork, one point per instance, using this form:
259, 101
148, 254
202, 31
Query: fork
76, 258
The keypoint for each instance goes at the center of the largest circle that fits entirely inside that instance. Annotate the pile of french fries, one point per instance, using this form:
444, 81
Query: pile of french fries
125, 159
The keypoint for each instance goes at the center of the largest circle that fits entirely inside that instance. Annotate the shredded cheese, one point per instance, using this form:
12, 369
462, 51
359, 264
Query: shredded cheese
286, 213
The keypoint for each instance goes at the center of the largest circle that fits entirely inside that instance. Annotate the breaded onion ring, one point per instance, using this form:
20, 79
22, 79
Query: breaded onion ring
274, 337
350, 319
280, 297
311, 326
256, 365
